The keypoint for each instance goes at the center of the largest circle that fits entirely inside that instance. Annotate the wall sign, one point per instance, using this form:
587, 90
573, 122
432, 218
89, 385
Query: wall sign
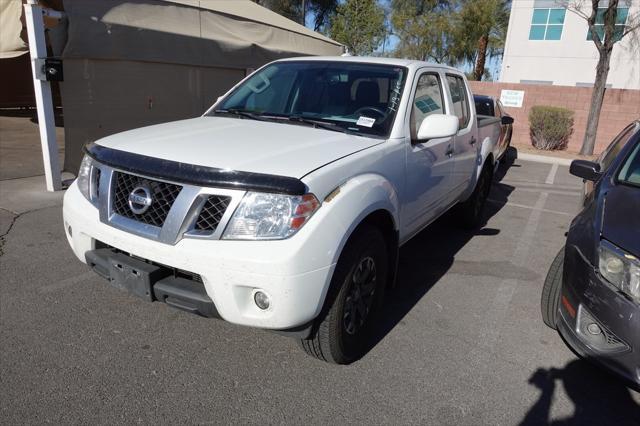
512, 98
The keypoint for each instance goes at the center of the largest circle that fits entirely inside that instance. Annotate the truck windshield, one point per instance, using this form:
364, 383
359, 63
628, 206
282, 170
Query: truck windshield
350, 97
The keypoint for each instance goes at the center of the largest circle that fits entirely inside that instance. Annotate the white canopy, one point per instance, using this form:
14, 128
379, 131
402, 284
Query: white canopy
131, 63
227, 33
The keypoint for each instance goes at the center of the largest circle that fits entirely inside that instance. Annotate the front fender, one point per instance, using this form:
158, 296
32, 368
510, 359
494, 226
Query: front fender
358, 198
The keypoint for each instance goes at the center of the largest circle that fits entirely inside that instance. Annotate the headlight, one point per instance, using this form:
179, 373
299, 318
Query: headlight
84, 177
620, 268
263, 216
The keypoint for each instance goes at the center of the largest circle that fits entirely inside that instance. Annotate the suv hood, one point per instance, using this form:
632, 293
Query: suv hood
241, 144
621, 221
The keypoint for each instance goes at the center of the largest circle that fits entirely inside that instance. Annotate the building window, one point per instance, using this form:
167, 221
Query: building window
621, 20
546, 24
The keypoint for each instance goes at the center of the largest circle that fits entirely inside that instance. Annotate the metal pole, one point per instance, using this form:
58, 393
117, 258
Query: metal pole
44, 101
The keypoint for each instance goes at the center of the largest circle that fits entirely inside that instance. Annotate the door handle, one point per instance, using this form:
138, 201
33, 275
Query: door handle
449, 151
472, 141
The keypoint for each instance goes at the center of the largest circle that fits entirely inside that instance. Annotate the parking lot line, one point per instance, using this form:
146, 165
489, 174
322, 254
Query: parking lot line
552, 174
504, 294
509, 203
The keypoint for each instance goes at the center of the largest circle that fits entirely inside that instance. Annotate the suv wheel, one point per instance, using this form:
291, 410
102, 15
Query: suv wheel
344, 326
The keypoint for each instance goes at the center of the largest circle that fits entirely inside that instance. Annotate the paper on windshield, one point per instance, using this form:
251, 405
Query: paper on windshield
365, 121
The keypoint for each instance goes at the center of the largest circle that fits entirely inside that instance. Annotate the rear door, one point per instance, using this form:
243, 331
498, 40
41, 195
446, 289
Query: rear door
465, 152
429, 162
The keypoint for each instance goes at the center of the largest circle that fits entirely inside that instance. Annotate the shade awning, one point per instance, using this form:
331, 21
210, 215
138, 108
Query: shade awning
11, 45
234, 34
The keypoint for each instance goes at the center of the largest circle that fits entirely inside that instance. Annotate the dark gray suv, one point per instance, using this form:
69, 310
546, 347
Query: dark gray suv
592, 291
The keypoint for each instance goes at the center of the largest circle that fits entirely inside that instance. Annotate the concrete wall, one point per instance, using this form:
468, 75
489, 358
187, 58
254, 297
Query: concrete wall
619, 109
573, 58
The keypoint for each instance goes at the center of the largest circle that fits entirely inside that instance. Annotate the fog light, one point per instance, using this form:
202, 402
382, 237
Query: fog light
594, 329
70, 231
262, 300
593, 333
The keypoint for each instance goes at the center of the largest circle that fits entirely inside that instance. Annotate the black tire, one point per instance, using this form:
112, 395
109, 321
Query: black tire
551, 291
471, 211
338, 336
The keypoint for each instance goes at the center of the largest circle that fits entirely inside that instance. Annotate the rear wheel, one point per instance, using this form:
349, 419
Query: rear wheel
471, 212
345, 324
551, 291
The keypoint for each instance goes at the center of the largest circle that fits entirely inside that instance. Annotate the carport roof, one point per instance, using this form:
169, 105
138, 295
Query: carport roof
218, 33
251, 11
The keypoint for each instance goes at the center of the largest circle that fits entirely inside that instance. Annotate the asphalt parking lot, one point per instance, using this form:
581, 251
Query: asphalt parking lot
462, 341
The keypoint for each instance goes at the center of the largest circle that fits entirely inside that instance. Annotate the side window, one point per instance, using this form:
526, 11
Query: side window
616, 146
484, 106
427, 100
459, 99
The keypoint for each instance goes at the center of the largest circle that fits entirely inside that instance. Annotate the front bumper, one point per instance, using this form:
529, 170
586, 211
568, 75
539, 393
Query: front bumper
586, 298
294, 273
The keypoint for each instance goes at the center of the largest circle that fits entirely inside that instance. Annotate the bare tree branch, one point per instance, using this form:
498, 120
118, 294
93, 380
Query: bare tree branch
630, 29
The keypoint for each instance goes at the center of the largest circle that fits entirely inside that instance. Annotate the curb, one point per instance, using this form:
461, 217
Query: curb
544, 159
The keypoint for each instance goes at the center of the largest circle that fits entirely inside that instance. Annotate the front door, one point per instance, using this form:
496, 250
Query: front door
429, 162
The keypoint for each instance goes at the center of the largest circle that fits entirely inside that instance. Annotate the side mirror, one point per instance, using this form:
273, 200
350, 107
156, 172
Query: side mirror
438, 126
584, 169
506, 119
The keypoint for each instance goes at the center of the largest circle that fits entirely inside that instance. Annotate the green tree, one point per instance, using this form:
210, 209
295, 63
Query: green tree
480, 32
425, 29
291, 9
322, 11
297, 10
359, 25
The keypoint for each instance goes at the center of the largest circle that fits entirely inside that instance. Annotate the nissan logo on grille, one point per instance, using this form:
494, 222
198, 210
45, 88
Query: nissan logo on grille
140, 199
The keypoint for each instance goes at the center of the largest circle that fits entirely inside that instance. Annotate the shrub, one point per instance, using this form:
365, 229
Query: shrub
550, 127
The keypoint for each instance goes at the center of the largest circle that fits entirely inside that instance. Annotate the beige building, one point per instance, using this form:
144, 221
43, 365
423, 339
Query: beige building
549, 44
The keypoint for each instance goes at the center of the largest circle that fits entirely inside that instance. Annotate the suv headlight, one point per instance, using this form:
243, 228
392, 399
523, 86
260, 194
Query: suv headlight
620, 268
262, 216
84, 177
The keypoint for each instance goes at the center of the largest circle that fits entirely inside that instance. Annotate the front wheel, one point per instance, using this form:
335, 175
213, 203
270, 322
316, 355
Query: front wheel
550, 299
345, 324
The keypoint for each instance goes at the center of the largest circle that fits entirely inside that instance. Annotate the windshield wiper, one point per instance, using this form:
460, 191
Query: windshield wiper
318, 123
242, 113
266, 116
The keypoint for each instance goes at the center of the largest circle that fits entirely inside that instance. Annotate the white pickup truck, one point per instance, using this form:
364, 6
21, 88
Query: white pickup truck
284, 206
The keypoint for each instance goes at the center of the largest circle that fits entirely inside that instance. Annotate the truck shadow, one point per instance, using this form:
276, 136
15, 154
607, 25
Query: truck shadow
425, 259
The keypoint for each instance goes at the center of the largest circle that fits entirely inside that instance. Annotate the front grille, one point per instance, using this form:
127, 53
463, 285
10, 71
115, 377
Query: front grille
96, 182
212, 212
162, 194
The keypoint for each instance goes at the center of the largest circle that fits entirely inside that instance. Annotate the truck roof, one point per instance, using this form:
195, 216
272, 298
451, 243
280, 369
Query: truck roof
410, 63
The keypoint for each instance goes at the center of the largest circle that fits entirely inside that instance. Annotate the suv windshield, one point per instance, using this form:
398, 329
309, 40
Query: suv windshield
342, 96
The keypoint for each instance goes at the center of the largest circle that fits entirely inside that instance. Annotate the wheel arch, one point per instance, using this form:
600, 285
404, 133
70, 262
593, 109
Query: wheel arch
384, 221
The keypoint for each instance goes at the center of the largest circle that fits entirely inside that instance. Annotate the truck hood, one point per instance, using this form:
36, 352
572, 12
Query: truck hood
240, 144
621, 221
